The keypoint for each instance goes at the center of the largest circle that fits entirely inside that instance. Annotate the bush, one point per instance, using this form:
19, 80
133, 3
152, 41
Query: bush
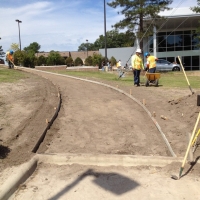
113, 61
78, 61
88, 61
97, 59
69, 61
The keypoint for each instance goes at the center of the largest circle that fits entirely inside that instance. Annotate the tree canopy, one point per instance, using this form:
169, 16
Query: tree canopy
34, 47
114, 39
197, 10
2, 54
135, 11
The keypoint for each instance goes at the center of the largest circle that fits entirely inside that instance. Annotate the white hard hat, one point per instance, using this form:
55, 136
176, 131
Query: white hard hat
138, 51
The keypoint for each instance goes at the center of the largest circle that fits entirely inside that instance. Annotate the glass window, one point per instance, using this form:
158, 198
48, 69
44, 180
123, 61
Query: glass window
195, 60
187, 32
178, 33
178, 40
195, 42
187, 61
150, 43
170, 41
170, 59
187, 42
161, 34
161, 40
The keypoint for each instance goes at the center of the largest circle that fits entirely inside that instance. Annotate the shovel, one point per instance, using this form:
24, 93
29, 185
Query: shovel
186, 155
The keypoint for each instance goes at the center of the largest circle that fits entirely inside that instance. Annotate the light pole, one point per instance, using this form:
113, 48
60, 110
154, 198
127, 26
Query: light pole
17, 20
87, 47
105, 31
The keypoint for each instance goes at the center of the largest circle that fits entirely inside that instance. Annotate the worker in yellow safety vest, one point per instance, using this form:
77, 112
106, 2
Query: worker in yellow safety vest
137, 66
151, 63
10, 59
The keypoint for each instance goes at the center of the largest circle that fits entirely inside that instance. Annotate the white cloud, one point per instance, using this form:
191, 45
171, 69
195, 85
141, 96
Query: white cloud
56, 25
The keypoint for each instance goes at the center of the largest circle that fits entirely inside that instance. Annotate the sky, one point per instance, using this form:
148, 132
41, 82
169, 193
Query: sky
59, 25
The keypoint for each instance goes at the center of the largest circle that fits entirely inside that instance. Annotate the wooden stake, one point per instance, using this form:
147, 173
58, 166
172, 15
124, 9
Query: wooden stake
130, 92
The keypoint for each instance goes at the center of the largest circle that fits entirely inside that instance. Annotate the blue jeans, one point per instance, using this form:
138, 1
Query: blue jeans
152, 70
136, 74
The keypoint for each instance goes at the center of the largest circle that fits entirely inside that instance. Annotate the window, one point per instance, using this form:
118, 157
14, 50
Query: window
195, 61
187, 62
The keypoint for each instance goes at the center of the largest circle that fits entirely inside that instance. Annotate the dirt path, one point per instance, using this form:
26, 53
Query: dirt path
92, 119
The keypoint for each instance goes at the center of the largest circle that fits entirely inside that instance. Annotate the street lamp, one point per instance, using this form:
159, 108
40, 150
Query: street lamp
105, 31
87, 47
17, 20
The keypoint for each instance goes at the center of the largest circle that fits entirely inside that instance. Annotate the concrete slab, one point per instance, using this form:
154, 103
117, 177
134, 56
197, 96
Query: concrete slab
90, 176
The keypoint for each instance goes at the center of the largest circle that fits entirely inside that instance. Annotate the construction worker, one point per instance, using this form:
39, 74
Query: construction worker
10, 59
119, 68
151, 63
137, 65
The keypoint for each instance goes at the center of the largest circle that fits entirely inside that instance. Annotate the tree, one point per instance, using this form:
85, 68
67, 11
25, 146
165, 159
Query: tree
197, 10
88, 61
114, 40
78, 61
97, 59
14, 46
54, 58
136, 11
2, 54
41, 60
33, 47
87, 46
69, 61
19, 57
113, 61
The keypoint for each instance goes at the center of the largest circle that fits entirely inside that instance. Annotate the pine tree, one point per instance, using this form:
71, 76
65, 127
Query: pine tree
197, 10
2, 54
136, 11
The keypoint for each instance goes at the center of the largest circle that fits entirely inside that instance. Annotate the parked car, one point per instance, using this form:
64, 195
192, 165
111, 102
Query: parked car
164, 65
2, 61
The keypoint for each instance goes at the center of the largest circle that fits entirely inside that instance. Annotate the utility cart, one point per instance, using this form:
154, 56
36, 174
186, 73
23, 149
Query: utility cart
152, 79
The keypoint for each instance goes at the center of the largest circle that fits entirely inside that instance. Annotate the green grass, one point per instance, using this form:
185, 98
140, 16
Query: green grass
10, 75
167, 79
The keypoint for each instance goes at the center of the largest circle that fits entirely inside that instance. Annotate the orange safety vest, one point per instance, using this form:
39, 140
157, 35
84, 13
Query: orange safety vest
136, 62
9, 56
151, 61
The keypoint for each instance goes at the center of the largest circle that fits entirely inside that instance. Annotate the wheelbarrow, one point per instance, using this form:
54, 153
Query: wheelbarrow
152, 79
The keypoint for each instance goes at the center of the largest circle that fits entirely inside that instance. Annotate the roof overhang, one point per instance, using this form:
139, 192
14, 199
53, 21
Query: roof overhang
182, 22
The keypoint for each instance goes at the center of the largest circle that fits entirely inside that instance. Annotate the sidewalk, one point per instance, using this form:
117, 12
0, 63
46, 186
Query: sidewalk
57, 178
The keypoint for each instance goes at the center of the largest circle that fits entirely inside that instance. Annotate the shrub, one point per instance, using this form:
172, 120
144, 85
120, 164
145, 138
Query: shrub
78, 61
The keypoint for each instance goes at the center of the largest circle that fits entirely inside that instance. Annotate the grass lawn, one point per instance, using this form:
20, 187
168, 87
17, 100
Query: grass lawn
10, 75
167, 79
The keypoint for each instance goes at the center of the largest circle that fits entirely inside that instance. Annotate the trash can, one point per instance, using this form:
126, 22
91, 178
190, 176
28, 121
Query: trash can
198, 100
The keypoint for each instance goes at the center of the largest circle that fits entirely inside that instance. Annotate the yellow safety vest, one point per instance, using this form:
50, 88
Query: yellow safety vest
151, 60
137, 62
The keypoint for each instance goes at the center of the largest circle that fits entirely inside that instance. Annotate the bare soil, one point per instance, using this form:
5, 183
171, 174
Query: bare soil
93, 119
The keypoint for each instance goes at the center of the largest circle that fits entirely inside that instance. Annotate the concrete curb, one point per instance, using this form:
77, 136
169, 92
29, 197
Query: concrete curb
12, 184
107, 159
104, 160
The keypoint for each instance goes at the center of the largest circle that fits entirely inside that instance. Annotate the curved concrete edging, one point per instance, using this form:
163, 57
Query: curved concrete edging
12, 184
121, 91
